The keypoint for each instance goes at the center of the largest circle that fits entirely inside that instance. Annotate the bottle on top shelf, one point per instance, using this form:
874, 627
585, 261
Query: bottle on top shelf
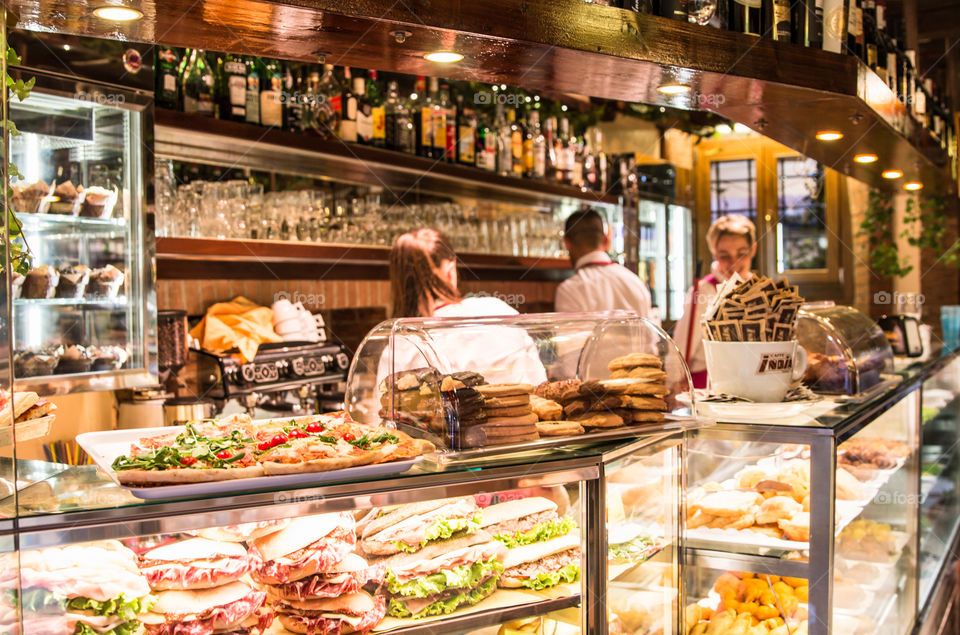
197, 80
375, 98
486, 145
349, 106
466, 134
271, 94
232, 74
167, 78
399, 124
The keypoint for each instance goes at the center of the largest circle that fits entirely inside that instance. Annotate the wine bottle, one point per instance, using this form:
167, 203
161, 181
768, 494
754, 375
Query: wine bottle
806, 23
252, 97
673, 9
168, 78
777, 20
271, 95
745, 17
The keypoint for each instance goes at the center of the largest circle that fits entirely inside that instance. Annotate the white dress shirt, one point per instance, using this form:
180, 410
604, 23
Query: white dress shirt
603, 285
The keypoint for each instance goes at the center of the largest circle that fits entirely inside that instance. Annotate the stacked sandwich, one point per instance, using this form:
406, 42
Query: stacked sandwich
86, 589
23, 406
507, 417
437, 559
200, 590
544, 549
313, 579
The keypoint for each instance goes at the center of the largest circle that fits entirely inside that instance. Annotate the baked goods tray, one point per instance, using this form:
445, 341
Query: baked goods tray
32, 429
443, 459
104, 447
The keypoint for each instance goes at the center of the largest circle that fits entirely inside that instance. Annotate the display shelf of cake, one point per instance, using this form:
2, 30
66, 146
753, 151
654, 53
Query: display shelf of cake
77, 286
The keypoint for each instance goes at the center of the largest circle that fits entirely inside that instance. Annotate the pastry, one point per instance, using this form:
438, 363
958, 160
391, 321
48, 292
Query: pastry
642, 403
634, 360
108, 357
599, 420
409, 379
75, 359
749, 477
16, 284
66, 199
848, 487
727, 503
73, 281
98, 202
526, 420
555, 390
580, 406
503, 390
558, 428
26, 198
653, 375
41, 282
797, 527
640, 416
36, 363
463, 379
510, 401
774, 509
514, 411
545, 409
622, 386
105, 282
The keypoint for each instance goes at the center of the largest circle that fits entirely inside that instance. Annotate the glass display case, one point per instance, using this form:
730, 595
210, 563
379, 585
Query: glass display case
665, 256
82, 315
847, 353
475, 386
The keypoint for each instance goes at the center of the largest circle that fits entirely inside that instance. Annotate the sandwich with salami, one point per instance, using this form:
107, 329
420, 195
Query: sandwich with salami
353, 613
195, 563
308, 545
541, 565
230, 609
409, 528
525, 521
344, 578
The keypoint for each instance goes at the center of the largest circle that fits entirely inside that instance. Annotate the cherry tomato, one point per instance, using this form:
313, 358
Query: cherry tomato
297, 433
188, 460
316, 426
224, 454
279, 439
348, 436
266, 445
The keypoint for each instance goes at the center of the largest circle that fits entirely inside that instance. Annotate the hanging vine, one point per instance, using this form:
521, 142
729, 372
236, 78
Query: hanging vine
18, 249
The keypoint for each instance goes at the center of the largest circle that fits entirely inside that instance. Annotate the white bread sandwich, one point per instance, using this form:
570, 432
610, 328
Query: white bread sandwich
308, 545
195, 563
352, 613
525, 521
231, 609
344, 578
410, 528
244, 532
542, 565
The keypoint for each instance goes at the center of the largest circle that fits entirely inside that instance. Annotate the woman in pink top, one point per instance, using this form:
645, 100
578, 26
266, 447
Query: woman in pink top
733, 244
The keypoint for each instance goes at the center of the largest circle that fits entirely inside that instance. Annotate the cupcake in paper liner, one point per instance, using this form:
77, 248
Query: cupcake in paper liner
36, 363
98, 202
65, 200
75, 359
105, 282
41, 283
27, 198
16, 284
108, 357
73, 281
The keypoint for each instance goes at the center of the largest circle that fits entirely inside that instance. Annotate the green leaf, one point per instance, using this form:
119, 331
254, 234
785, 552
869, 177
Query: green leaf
543, 531
462, 577
568, 574
441, 530
398, 608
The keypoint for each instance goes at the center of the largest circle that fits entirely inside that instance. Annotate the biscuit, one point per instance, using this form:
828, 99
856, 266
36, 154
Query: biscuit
513, 411
622, 386
599, 420
481, 432
580, 406
640, 416
545, 409
520, 438
559, 428
640, 372
506, 402
554, 389
503, 390
528, 419
635, 359
635, 402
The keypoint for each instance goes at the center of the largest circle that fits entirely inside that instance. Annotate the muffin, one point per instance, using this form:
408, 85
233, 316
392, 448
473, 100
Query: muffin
76, 359
108, 357
73, 281
98, 202
105, 282
66, 199
36, 363
26, 198
16, 284
41, 283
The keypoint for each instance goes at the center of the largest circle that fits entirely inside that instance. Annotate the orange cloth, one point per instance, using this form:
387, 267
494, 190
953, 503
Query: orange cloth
237, 324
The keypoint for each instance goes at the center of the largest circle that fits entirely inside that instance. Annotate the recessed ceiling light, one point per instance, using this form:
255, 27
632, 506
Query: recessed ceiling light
892, 174
913, 186
443, 57
829, 135
673, 89
118, 14
865, 158
66, 47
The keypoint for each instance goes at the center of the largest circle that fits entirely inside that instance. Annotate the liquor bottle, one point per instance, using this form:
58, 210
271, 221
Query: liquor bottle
252, 96
364, 112
486, 145
639, 6
450, 117
880, 32
271, 94
438, 120
232, 70
423, 117
674, 9
806, 23
398, 122
320, 107
777, 20
703, 12
332, 93
348, 120
744, 16
198, 85
834, 25
168, 78
600, 159
870, 45
466, 134
504, 142
293, 98
375, 98
549, 142
534, 148
516, 144
855, 29
578, 158
565, 153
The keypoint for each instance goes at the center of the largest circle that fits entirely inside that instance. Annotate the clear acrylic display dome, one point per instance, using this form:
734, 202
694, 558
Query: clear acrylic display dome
464, 383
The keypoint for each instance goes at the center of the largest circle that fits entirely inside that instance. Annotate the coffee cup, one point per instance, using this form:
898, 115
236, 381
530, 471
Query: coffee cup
758, 371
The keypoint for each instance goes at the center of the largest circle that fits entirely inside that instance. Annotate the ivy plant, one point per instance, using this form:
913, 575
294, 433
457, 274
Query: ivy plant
18, 249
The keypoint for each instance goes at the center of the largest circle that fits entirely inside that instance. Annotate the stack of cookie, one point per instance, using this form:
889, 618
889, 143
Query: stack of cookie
507, 417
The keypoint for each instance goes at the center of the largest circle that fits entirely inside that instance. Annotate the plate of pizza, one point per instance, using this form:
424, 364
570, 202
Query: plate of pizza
234, 454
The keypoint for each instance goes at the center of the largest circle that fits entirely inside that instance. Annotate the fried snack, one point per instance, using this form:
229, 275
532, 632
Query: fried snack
749, 477
796, 528
777, 508
727, 503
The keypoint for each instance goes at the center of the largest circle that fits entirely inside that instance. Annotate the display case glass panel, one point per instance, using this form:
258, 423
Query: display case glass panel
81, 309
801, 209
680, 259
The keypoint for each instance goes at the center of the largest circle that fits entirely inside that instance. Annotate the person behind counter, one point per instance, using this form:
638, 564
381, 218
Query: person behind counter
732, 241
423, 283
599, 284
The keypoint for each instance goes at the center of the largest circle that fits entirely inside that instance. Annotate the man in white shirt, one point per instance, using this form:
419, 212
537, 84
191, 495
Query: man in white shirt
599, 284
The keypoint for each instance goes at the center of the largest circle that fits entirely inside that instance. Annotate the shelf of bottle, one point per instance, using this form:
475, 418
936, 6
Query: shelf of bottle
191, 137
207, 258
80, 304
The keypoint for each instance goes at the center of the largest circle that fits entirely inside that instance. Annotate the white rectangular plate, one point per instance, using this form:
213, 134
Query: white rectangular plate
104, 447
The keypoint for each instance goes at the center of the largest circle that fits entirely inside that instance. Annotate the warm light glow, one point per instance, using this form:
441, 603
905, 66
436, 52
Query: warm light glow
66, 47
723, 129
118, 14
892, 174
913, 186
829, 135
865, 158
739, 128
443, 57
673, 89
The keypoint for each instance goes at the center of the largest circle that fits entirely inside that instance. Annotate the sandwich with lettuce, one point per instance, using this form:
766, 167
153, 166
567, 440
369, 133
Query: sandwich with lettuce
541, 565
525, 521
410, 528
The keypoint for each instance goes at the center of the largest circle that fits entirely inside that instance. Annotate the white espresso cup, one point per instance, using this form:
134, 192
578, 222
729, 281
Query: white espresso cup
758, 371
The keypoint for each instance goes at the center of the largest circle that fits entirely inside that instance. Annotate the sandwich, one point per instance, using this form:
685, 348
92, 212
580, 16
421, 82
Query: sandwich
410, 528
23, 406
542, 565
308, 545
230, 609
629, 543
244, 532
443, 576
352, 613
195, 563
525, 521
344, 578
87, 589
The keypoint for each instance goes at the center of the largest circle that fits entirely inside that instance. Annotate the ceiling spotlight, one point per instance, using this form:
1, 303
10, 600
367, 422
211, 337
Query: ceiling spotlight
829, 135
673, 89
865, 158
739, 128
913, 186
118, 14
892, 174
443, 57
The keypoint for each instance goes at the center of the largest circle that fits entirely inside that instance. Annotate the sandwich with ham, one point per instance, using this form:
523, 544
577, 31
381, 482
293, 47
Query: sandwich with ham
410, 528
83, 589
541, 565
195, 563
443, 576
244, 532
307, 546
344, 578
525, 521
351, 613
230, 609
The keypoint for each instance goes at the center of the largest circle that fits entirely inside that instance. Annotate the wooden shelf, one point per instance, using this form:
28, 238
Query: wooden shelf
785, 91
205, 258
